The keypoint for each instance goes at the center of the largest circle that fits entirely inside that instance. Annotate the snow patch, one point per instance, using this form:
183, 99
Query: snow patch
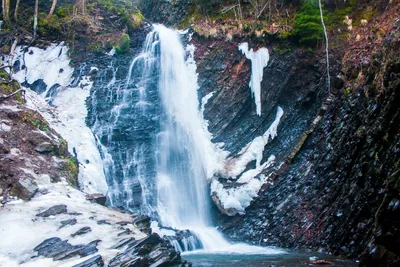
22, 230
68, 111
259, 60
236, 199
50, 64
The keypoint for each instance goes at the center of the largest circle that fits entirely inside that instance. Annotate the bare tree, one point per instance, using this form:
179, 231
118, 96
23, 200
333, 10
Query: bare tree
326, 45
53, 7
6, 10
35, 18
16, 10
80, 7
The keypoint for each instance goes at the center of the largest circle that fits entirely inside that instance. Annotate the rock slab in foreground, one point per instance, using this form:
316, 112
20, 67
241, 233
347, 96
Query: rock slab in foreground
55, 210
96, 261
149, 251
24, 189
60, 249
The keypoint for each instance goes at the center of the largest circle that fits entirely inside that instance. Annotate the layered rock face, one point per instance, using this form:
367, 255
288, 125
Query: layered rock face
340, 192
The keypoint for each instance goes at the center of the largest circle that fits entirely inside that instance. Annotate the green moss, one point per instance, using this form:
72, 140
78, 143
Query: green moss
134, 19
4, 75
72, 168
123, 44
307, 26
347, 91
64, 11
94, 47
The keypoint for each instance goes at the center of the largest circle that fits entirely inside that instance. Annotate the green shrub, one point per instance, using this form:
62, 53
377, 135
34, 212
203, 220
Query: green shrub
123, 44
307, 26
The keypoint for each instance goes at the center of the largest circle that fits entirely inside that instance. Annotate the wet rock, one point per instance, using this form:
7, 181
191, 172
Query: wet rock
60, 249
97, 198
78, 250
149, 250
45, 147
126, 232
67, 222
143, 223
55, 210
96, 261
24, 189
82, 231
102, 222
51, 247
123, 242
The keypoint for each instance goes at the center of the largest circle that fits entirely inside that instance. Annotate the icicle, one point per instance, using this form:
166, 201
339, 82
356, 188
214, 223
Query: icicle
259, 60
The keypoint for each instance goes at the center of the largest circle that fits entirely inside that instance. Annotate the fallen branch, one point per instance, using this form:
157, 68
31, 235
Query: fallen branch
5, 66
2, 98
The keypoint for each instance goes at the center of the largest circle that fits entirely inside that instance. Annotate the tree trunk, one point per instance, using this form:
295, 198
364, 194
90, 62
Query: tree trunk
326, 45
6, 10
35, 18
16, 10
53, 7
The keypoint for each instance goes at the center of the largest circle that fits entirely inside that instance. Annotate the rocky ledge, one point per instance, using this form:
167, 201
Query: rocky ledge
44, 219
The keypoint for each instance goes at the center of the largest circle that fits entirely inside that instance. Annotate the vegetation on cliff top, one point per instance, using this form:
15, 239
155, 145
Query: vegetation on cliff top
93, 26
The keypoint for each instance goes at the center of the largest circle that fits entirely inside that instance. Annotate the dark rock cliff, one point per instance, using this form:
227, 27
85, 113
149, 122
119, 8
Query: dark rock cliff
340, 193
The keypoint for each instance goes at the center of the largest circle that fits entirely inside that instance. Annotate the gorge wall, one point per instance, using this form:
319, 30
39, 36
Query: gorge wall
334, 185
337, 187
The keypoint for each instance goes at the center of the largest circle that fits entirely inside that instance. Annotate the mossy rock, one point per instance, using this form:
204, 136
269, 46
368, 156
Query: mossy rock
71, 166
123, 44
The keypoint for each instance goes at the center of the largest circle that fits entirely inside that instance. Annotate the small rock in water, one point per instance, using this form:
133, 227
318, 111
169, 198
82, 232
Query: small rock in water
82, 231
55, 210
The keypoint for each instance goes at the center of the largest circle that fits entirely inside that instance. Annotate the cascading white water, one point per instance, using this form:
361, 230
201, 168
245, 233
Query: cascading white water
185, 154
156, 145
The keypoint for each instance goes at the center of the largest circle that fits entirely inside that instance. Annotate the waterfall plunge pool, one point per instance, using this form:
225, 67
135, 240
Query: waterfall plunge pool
289, 258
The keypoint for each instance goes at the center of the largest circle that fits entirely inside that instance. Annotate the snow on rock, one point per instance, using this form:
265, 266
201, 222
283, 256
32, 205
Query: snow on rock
253, 150
50, 65
259, 60
68, 111
67, 116
235, 199
22, 230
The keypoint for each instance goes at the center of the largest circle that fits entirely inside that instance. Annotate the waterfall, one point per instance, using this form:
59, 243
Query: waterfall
171, 158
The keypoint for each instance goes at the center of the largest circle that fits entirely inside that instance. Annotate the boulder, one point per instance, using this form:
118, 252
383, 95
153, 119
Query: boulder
142, 222
55, 210
45, 147
60, 249
97, 198
24, 189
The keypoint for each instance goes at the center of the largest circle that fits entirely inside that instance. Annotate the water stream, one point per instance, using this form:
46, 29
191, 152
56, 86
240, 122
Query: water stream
171, 158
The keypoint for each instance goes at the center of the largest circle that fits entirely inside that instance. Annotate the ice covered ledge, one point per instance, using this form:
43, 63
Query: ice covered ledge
50, 67
245, 184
